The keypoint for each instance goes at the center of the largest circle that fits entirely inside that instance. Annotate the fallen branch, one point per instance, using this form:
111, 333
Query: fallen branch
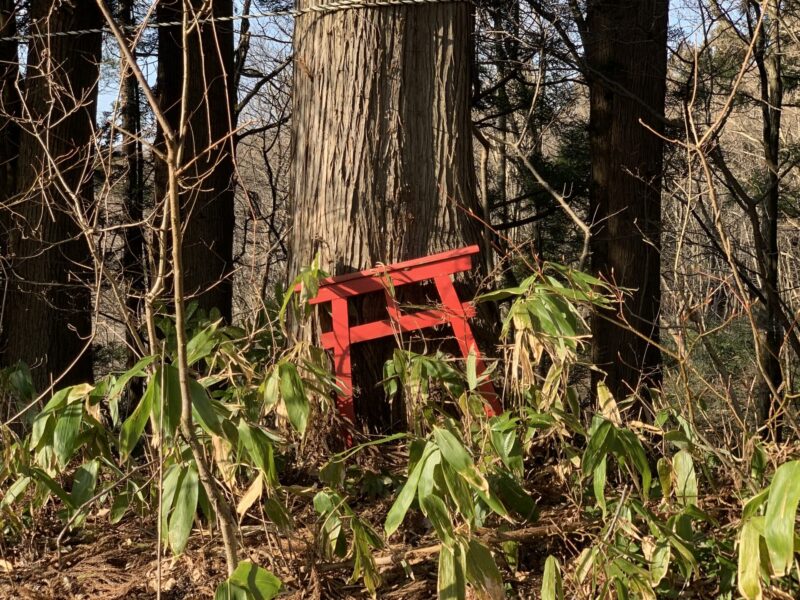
396, 555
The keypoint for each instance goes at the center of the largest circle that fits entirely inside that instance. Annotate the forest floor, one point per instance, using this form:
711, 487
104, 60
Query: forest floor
116, 562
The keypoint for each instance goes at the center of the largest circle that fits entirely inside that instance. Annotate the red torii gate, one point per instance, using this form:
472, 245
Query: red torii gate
438, 267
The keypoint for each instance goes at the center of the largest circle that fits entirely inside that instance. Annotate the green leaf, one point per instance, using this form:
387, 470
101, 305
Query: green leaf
390, 383
172, 481
43, 424
513, 495
493, 502
364, 562
664, 468
166, 382
324, 502
294, 396
333, 473
507, 444
83, 486
585, 563
120, 506
259, 583
753, 504
598, 446
15, 491
260, 449
134, 425
434, 508
452, 450
552, 586
341, 456
84, 482
599, 484
499, 295
451, 584
426, 478
759, 461
137, 370
249, 582
201, 344
278, 514
328, 505
622, 589
784, 495
58, 400
459, 492
20, 381
458, 457
227, 591
482, 571
698, 515
686, 489
203, 409
66, 432
184, 508
681, 534
43, 478
659, 562
406, 496
42, 431
749, 561
634, 451
271, 387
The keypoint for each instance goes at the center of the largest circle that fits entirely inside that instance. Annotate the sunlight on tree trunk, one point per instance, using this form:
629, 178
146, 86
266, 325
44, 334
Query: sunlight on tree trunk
52, 301
383, 164
208, 146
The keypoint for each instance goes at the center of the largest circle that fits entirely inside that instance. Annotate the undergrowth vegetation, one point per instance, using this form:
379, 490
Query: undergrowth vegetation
649, 508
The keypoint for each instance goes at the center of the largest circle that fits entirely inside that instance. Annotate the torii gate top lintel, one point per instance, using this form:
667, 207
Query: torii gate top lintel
408, 271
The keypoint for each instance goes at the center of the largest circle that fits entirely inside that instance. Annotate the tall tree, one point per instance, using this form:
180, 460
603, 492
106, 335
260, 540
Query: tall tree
382, 141
625, 59
132, 257
207, 140
768, 60
9, 133
760, 199
9, 98
49, 299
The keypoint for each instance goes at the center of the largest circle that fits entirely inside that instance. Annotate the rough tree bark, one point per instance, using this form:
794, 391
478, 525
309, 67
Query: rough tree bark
133, 251
625, 44
9, 99
382, 145
768, 60
9, 140
50, 299
208, 181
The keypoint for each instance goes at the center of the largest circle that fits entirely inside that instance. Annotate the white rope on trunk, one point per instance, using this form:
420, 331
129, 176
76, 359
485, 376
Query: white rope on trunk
329, 7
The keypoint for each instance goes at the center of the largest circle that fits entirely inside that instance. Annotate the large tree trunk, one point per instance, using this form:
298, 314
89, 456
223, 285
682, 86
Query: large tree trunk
208, 185
9, 152
382, 147
768, 61
49, 313
9, 139
626, 59
9, 100
133, 252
